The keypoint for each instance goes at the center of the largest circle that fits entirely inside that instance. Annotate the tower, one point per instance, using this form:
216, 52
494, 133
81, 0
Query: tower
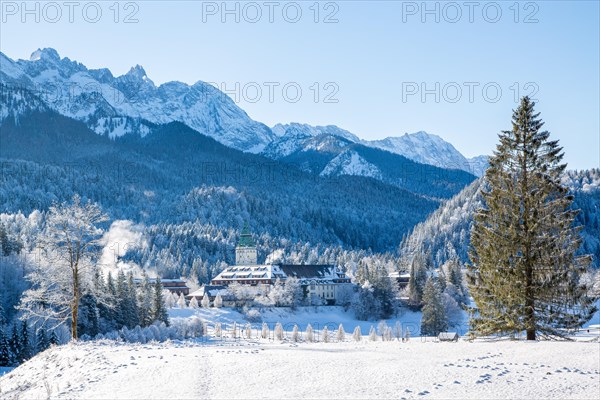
245, 251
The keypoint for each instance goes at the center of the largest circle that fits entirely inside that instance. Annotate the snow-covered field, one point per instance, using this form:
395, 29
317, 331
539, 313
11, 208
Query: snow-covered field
266, 369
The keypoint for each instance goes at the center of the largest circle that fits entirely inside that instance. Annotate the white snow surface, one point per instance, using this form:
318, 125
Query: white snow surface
249, 368
261, 368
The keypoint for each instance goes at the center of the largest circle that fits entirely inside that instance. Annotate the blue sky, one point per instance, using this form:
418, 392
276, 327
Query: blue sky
363, 66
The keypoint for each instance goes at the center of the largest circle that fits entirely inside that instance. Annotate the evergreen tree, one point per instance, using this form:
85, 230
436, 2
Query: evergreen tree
133, 312
218, 301
295, 334
265, 331
43, 342
357, 334
2, 316
88, 323
524, 273
26, 351
325, 334
206, 300
5, 354
144, 302
159, 311
341, 335
433, 320
15, 345
372, 334
310, 336
278, 331
54, 338
194, 303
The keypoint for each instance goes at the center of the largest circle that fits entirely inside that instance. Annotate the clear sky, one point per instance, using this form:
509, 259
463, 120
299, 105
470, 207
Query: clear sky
375, 68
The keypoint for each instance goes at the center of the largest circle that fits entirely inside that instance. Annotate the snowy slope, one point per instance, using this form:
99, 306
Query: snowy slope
259, 368
96, 97
429, 149
350, 163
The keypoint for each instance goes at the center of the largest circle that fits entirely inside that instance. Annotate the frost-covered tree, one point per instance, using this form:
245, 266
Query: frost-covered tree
264, 333
433, 320
325, 334
248, 331
398, 330
69, 248
218, 330
372, 334
234, 330
341, 335
310, 335
218, 301
357, 334
194, 303
364, 304
524, 273
278, 331
206, 300
382, 328
144, 301
295, 334
181, 303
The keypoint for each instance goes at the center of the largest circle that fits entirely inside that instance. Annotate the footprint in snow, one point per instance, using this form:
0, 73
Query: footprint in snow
456, 382
423, 393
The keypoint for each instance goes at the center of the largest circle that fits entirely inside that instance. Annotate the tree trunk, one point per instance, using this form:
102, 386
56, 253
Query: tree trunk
75, 305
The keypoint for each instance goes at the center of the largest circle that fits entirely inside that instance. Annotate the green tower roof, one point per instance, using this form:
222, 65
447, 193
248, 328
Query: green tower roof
246, 238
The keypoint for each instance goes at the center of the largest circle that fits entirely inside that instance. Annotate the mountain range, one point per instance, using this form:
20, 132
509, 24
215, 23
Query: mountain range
131, 103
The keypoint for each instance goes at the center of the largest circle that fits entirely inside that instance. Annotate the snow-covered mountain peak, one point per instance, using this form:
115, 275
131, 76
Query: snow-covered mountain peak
133, 95
44, 54
137, 72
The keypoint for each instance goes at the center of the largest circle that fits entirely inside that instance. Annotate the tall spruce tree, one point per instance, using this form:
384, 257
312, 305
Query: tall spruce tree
159, 310
433, 320
524, 273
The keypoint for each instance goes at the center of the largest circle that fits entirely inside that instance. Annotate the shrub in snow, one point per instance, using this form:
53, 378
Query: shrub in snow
264, 333
181, 303
309, 333
218, 330
398, 330
372, 334
253, 315
357, 334
278, 331
205, 301
170, 299
381, 329
218, 301
341, 335
295, 334
181, 329
194, 303
325, 334
388, 334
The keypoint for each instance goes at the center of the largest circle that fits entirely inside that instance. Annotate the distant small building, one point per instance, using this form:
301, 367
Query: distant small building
400, 278
212, 291
177, 286
448, 337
